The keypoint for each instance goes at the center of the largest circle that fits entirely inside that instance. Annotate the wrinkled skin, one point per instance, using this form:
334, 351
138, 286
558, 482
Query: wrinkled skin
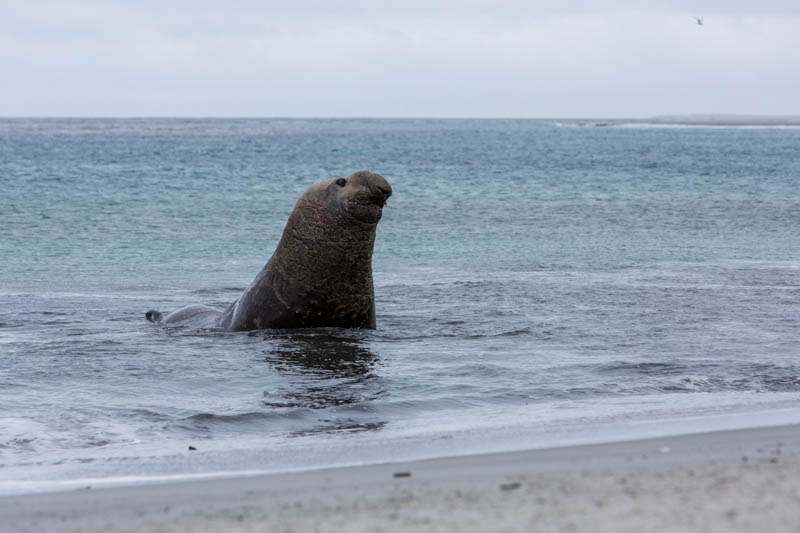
321, 272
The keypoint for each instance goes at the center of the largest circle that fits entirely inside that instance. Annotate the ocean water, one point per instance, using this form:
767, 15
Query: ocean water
537, 284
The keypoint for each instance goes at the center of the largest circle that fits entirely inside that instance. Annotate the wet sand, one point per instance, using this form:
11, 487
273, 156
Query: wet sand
742, 480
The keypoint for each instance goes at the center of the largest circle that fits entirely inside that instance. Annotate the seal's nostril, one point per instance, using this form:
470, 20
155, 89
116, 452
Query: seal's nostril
385, 190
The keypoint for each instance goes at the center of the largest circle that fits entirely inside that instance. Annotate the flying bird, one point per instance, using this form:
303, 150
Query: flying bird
699, 20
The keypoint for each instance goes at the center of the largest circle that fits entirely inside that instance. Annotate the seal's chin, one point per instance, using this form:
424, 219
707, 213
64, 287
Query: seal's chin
369, 213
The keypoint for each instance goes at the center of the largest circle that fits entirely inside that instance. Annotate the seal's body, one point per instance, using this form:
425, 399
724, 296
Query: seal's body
321, 272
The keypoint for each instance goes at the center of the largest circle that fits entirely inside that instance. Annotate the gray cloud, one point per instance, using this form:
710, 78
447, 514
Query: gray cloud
398, 58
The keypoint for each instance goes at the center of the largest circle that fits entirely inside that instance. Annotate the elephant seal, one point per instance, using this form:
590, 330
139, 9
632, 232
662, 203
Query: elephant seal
321, 272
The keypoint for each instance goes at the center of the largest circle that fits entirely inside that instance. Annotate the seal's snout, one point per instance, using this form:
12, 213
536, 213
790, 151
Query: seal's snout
383, 190
381, 193
367, 196
380, 189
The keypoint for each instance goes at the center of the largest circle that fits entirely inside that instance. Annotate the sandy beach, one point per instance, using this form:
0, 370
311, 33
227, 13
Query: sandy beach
742, 480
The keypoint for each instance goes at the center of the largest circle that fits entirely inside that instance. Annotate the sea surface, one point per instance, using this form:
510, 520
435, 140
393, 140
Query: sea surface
537, 284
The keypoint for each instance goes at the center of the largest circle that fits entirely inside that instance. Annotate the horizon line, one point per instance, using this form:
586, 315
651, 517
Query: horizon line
672, 116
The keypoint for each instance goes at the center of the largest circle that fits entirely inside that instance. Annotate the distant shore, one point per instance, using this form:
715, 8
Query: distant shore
742, 480
751, 121
726, 120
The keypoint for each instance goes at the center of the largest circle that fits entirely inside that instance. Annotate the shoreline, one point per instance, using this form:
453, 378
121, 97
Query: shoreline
216, 462
741, 479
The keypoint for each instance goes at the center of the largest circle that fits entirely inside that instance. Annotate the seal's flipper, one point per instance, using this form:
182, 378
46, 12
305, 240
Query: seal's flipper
153, 316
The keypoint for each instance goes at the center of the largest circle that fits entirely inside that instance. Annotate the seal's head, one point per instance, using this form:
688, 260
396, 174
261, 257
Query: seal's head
359, 197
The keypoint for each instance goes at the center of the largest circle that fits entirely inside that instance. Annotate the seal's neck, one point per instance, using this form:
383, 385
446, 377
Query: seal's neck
327, 246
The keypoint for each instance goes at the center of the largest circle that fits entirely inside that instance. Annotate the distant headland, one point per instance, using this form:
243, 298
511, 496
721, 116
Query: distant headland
726, 120
706, 120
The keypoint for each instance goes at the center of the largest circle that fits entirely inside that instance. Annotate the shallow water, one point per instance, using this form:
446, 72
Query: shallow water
535, 285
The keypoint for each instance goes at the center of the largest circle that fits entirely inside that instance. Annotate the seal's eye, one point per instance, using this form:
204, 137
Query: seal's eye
341, 182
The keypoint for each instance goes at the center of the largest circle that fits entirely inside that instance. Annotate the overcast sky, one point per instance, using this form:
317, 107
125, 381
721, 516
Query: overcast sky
329, 58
